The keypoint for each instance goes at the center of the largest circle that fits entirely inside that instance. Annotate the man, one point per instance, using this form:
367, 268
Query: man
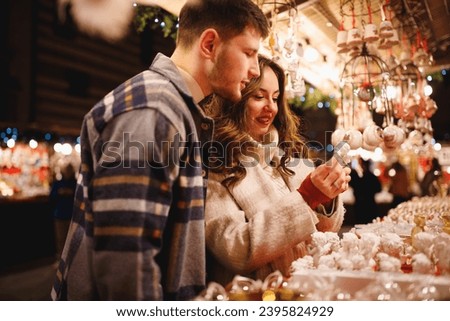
137, 231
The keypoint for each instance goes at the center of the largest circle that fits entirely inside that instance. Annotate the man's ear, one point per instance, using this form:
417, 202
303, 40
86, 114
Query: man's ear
209, 40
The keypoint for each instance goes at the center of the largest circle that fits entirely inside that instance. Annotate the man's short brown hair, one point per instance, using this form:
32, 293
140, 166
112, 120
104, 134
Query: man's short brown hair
228, 17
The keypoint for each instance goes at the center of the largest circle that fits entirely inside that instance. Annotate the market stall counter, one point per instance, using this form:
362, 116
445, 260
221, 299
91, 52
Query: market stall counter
404, 256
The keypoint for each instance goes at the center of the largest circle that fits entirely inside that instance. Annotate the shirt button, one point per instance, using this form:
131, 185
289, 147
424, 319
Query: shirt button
205, 126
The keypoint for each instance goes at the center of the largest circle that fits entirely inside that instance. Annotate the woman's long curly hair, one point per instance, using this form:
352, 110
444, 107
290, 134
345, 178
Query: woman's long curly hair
231, 139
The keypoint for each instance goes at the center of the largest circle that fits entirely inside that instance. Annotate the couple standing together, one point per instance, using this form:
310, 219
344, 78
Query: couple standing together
147, 232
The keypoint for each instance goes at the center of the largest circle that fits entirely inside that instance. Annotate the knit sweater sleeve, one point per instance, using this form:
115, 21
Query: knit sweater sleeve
243, 243
315, 198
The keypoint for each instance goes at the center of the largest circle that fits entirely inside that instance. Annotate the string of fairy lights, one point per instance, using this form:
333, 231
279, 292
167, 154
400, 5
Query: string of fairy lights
10, 136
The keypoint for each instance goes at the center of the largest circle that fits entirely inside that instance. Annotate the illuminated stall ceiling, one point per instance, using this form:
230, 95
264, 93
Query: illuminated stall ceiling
318, 22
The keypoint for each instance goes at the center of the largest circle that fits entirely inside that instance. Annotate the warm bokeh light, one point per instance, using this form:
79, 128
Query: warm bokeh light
66, 149
392, 172
11, 143
33, 143
57, 147
311, 54
391, 92
427, 90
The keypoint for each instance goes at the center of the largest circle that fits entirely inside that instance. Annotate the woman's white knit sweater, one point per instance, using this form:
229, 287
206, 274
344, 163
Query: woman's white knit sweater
261, 224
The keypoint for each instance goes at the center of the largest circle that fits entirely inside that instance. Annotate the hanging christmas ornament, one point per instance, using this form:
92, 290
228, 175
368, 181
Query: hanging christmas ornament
367, 74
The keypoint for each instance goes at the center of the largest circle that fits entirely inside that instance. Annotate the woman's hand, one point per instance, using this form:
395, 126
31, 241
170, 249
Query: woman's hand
331, 178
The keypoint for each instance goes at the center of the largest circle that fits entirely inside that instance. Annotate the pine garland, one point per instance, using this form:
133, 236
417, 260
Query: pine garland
156, 17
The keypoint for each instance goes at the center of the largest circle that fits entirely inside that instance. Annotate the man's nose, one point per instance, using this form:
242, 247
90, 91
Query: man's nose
254, 71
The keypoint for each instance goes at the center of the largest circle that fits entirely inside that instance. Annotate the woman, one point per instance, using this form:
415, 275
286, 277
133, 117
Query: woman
262, 202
